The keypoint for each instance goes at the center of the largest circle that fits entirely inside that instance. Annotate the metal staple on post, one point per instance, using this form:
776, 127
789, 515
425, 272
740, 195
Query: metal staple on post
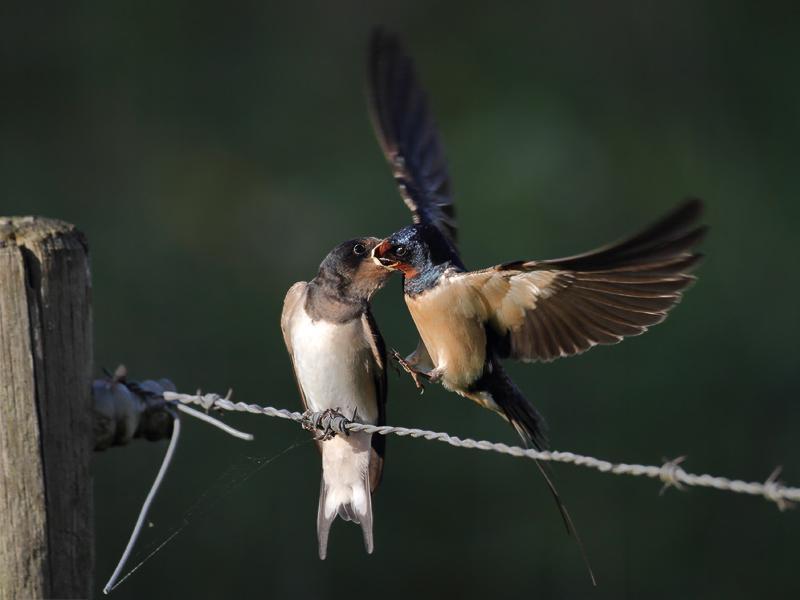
670, 473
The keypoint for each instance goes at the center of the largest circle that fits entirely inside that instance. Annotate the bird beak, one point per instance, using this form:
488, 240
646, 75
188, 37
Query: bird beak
379, 256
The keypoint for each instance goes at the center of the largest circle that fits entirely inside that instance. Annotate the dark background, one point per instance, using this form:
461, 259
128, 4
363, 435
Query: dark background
214, 153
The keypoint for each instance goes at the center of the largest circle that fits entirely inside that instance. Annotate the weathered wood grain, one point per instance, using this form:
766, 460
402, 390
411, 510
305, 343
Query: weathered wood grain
46, 438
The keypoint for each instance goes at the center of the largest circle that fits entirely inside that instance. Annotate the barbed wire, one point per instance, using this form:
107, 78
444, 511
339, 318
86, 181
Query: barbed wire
671, 474
119, 406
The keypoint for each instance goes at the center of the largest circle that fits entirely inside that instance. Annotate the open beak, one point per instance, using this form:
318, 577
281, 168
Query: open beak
379, 256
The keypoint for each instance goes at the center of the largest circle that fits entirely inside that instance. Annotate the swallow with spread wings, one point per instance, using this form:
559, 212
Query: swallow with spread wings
528, 310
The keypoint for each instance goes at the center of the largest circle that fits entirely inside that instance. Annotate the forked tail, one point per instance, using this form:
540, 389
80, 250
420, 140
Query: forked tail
345, 488
529, 424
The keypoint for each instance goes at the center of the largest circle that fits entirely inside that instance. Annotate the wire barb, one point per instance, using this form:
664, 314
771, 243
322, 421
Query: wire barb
773, 488
670, 473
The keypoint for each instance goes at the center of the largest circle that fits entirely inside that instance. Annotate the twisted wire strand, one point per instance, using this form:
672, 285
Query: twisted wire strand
137, 528
671, 474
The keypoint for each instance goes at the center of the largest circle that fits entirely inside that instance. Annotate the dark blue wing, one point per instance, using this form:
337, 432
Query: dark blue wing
408, 135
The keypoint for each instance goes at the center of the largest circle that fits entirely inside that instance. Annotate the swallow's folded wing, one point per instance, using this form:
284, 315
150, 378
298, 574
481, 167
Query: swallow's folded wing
408, 135
543, 310
378, 371
294, 300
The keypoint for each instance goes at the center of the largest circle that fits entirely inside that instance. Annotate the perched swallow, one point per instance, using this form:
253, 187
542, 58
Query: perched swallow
339, 361
469, 321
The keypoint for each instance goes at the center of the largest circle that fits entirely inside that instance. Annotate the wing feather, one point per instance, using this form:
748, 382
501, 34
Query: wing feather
408, 135
549, 309
294, 300
381, 388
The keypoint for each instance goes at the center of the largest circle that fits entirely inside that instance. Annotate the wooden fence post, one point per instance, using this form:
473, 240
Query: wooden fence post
46, 537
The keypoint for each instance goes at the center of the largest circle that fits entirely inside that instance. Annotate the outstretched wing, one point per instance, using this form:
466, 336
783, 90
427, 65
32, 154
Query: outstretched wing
543, 310
408, 135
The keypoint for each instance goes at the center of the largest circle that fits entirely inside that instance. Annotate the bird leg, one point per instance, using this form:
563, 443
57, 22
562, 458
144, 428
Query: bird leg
414, 373
434, 376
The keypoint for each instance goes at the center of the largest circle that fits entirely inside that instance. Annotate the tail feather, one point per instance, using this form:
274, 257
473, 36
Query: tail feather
530, 426
323, 522
515, 408
346, 512
348, 497
366, 523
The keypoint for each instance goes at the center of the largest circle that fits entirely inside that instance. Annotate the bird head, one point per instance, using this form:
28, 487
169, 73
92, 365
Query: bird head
406, 251
349, 266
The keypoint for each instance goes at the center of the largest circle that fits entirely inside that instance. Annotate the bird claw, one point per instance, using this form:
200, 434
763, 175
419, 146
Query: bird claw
415, 375
321, 424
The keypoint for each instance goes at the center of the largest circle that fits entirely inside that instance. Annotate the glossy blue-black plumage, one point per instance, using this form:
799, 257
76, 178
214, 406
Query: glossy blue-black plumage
427, 252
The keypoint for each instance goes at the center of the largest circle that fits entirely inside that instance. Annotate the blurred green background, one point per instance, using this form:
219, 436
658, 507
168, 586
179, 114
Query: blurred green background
214, 153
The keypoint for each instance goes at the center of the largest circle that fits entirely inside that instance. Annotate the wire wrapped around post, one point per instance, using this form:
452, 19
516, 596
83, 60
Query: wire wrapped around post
126, 410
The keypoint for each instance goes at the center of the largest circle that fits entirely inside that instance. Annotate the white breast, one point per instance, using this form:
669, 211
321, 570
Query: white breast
334, 366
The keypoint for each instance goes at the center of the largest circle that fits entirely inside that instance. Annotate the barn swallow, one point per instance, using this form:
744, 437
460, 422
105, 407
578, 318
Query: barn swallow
535, 310
469, 321
339, 361
525, 310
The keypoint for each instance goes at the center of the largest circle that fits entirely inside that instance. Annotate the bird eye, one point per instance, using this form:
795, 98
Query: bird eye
359, 249
400, 250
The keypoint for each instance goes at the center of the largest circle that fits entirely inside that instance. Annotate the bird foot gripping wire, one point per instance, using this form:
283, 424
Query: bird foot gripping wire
326, 424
